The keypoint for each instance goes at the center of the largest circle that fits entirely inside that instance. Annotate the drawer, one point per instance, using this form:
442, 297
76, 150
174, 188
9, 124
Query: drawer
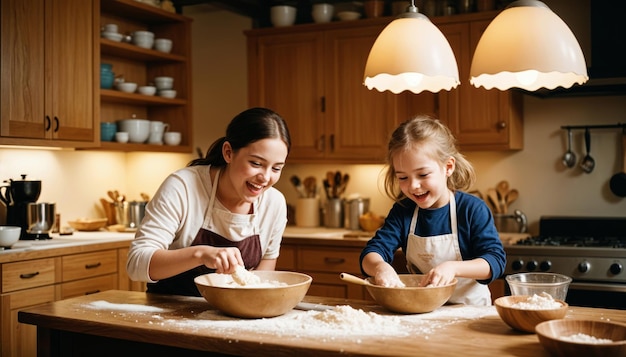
88, 286
28, 274
329, 260
87, 265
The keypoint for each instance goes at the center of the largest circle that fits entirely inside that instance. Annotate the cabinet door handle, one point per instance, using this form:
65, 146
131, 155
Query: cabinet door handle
48, 123
56, 124
501, 125
323, 104
29, 275
321, 143
331, 260
92, 266
332, 142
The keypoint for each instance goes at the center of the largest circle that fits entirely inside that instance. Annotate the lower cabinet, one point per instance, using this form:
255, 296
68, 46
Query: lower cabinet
30, 282
324, 263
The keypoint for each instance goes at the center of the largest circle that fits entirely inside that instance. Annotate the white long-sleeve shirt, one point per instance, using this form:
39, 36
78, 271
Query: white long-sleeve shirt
177, 211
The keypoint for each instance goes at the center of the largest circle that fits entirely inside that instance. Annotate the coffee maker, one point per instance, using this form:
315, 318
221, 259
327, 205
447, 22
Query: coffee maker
20, 198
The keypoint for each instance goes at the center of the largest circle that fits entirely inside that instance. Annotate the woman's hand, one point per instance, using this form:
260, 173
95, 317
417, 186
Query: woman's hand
223, 259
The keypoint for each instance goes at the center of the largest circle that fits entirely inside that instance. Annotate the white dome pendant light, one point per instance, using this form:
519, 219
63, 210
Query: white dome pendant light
411, 54
529, 47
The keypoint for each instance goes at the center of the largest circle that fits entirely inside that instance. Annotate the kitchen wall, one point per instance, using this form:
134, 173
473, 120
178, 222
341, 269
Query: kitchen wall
75, 180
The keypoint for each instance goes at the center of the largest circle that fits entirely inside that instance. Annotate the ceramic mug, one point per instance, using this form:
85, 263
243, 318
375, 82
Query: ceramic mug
322, 12
172, 138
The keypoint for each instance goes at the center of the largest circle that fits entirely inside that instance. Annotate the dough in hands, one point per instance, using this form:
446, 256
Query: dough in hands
243, 277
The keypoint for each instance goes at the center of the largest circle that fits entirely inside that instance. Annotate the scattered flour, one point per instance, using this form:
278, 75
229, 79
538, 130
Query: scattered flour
105, 305
583, 338
538, 302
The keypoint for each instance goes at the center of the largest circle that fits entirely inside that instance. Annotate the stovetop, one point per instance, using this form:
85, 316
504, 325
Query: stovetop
585, 248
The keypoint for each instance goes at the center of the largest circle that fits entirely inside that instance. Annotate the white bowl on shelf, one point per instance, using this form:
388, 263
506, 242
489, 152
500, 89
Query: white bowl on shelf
167, 93
164, 82
172, 138
113, 36
163, 45
348, 15
127, 87
138, 129
147, 90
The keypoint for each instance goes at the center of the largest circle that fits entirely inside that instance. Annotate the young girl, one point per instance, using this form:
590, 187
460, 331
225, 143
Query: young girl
445, 233
218, 213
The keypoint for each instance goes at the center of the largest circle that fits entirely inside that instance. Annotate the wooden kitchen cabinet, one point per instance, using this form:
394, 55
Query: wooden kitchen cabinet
139, 65
324, 261
55, 275
312, 76
480, 119
47, 87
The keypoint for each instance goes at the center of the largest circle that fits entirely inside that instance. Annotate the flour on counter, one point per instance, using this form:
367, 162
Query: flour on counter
105, 305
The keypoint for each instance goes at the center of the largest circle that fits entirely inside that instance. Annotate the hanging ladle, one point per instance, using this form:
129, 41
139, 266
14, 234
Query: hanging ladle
569, 158
588, 162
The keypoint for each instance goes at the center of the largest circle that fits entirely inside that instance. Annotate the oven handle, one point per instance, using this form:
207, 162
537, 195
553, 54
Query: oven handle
598, 287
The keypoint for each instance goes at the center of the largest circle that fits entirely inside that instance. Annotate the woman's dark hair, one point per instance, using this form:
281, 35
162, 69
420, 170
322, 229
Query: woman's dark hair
247, 127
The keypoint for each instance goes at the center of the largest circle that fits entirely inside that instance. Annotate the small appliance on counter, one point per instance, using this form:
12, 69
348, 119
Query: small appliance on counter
20, 198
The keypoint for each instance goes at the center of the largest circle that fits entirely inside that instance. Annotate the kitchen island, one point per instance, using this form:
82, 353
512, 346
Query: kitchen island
126, 323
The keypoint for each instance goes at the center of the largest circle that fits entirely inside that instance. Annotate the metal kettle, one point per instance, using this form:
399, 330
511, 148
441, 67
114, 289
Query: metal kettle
513, 223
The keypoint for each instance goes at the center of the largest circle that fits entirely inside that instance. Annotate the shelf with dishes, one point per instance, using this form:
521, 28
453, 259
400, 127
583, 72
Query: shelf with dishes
125, 49
116, 96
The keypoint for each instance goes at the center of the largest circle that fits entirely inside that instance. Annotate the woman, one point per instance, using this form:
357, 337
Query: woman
219, 212
444, 232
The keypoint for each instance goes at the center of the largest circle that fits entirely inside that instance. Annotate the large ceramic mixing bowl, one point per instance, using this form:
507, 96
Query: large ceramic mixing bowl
249, 301
138, 129
412, 298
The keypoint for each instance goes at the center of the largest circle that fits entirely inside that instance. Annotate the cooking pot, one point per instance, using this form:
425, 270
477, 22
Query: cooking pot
41, 217
353, 209
513, 223
130, 213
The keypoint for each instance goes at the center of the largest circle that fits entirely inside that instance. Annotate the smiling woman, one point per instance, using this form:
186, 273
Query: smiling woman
218, 213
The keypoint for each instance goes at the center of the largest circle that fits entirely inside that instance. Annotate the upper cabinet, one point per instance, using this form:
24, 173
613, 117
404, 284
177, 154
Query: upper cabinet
141, 66
47, 86
312, 74
480, 119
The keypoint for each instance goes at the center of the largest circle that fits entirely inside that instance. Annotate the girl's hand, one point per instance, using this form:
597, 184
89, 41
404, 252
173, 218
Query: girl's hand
442, 274
223, 259
386, 276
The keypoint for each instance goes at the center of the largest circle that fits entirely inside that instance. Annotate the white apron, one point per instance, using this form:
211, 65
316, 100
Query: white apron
428, 252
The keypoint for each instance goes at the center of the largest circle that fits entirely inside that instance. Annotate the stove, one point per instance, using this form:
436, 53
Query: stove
591, 250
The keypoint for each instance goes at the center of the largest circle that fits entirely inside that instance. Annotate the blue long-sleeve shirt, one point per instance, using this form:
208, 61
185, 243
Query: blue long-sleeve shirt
477, 234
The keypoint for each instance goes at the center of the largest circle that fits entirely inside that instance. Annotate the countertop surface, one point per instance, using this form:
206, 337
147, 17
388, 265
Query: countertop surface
190, 323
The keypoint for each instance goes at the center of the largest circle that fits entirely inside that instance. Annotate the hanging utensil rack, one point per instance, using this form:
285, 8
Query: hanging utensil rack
600, 126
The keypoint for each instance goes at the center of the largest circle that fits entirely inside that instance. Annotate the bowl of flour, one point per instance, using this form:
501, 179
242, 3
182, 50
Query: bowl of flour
268, 294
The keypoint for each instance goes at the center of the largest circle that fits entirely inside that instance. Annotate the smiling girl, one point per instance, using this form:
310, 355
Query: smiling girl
444, 232
218, 213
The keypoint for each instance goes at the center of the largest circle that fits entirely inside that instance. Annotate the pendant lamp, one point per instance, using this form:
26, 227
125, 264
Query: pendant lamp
411, 54
529, 47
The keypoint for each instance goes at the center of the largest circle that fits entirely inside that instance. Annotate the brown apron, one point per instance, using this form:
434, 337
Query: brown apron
250, 247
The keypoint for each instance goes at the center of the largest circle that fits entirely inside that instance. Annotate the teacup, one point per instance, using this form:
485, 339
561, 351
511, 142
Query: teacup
172, 138
283, 15
322, 12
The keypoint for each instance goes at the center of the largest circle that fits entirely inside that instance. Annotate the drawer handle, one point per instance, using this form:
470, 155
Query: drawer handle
92, 266
334, 260
29, 275
92, 292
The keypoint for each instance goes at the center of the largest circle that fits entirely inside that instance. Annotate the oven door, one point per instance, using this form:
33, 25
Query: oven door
604, 295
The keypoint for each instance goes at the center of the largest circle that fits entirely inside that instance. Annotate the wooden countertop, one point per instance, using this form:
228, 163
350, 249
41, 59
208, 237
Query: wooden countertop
190, 323
79, 242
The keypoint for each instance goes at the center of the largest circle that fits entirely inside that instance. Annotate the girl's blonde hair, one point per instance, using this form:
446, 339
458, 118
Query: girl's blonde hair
430, 134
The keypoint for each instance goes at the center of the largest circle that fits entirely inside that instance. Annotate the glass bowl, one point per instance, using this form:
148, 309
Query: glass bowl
536, 283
